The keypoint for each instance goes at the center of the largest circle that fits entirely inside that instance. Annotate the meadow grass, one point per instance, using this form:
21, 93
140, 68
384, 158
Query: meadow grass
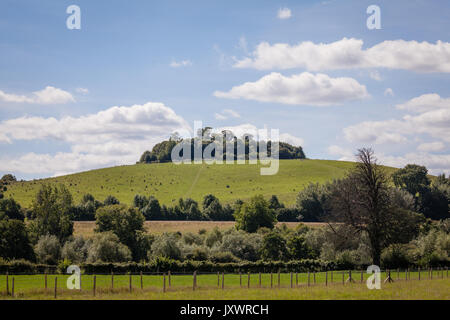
209, 286
169, 182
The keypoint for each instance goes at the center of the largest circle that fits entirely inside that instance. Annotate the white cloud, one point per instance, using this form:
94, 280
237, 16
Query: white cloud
226, 114
183, 63
301, 89
49, 95
348, 53
432, 120
389, 92
82, 90
425, 102
284, 13
375, 75
114, 136
431, 146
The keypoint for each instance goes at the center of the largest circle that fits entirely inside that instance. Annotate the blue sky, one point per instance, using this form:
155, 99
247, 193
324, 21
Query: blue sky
177, 62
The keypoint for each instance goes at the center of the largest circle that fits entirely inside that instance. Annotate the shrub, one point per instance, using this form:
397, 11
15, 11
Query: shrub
243, 245
48, 249
166, 245
396, 256
14, 240
213, 237
76, 250
106, 247
274, 247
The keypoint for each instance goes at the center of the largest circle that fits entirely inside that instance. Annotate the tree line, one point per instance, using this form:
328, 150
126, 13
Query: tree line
368, 220
162, 151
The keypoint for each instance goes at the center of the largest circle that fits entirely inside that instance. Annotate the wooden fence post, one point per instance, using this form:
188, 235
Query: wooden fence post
112, 280
170, 280
7, 283
194, 280
45, 281
260, 279
223, 280
279, 278
331, 280
56, 286
398, 274
271, 279
362, 276
326, 278
248, 280
95, 284
309, 279
240, 278
131, 287
406, 274
419, 273
164, 282
291, 280
142, 282
12, 287
314, 277
218, 280
296, 279
343, 277
431, 273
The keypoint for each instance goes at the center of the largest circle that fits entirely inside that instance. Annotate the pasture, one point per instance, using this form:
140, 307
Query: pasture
285, 286
169, 182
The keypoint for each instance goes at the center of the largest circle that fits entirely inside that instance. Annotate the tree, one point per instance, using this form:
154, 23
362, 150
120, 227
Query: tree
363, 201
152, 211
274, 247
274, 203
10, 209
311, 202
111, 200
14, 240
255, 214
124, 223
51, 213
298, 248
412, 178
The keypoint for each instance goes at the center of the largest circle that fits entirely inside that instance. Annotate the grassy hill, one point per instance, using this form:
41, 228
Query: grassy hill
168, 182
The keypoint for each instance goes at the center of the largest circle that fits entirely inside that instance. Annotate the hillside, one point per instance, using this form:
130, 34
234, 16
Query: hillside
168, 182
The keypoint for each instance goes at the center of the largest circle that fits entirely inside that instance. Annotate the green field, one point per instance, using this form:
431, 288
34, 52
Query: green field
209, 286
168, 182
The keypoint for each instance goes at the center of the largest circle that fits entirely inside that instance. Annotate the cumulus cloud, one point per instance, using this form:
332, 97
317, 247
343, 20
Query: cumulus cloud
431, 146
82, 90
425, 102
431, 118
226, 114
114, 136
284, 13
183, 63
49, 95
301, 89
389, 92
348, 54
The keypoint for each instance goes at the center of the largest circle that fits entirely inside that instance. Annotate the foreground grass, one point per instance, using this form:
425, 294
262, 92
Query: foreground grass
169, 182
208, 287
86, 228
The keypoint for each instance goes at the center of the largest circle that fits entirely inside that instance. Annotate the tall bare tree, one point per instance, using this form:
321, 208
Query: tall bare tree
362, 201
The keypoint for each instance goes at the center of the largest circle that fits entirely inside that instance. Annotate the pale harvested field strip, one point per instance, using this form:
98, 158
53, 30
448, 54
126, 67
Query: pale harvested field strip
86, 228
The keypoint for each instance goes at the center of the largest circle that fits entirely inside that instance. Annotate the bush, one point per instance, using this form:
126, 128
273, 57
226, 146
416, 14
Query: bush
48, 250
106, 247
213, 237
76, 250
396, 256
274, 247
166, 245
243, 245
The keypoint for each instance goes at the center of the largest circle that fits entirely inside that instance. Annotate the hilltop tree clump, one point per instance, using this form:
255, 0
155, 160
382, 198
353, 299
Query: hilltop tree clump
162, 151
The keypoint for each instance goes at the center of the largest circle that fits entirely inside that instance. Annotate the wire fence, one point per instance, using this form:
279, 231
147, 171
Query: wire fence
19, 285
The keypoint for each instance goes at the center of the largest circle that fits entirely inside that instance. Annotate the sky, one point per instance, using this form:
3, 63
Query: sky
79, 99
